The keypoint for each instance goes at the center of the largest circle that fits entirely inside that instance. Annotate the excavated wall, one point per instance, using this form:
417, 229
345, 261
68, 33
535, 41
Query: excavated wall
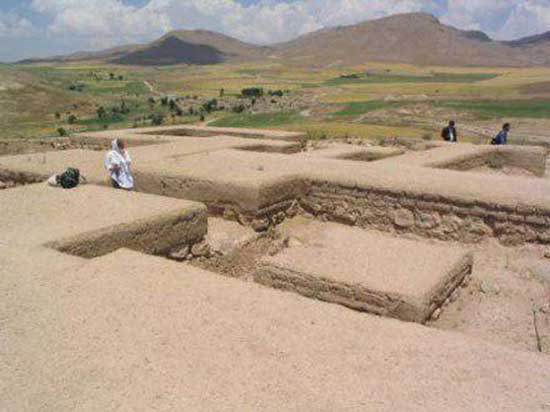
427, 215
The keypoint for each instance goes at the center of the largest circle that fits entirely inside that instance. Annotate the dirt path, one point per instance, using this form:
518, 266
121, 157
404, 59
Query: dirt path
150, 87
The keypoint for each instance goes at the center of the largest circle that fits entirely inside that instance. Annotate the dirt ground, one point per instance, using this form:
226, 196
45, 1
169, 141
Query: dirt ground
499, 304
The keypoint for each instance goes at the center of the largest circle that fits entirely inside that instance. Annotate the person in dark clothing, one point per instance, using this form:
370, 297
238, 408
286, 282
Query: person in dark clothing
449, 133
502, 137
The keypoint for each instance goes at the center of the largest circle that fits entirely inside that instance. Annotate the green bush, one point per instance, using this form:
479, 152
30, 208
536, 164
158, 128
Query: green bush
279, 93
157, 119
210, 106
238, 109
252, 92
101, 112
62, 132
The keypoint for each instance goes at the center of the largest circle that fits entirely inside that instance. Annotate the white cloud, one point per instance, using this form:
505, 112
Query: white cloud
104, 23
12, 25
503, 19
265, 22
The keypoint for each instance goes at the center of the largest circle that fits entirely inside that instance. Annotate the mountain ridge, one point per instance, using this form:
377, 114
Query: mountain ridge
415, 38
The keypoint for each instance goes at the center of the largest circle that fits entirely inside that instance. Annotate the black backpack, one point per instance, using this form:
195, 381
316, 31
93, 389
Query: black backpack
70, 178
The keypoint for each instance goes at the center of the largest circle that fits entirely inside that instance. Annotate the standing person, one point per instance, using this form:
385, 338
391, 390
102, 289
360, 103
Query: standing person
449, 133
502, 137
117, 163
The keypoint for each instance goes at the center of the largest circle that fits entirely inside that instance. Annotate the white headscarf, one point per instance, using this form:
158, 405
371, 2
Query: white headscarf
118, 162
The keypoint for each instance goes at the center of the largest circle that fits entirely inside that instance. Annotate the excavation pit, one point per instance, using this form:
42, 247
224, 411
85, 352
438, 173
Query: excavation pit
368, 271
511, 160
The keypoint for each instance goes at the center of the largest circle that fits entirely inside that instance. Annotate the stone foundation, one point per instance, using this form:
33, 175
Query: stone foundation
427, 215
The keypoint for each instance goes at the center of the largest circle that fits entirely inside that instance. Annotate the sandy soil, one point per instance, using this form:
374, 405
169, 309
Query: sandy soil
498, 304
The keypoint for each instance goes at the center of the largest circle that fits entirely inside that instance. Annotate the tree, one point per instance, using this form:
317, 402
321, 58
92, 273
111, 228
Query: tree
238, 109
62, 132
173, 105
57, 115
252, 92
157, 119
101, 112
210, 106
124, 109
111, 76
72, 119
222, 92
278, 93
164, 101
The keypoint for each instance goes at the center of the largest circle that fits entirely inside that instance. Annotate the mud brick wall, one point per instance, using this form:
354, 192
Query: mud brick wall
427, 215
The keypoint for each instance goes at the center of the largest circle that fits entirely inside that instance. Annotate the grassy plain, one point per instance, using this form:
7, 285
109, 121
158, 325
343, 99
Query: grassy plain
377, 100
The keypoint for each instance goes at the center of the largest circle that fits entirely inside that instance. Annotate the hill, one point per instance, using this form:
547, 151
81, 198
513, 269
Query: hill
177, 47
191, 47
414, 38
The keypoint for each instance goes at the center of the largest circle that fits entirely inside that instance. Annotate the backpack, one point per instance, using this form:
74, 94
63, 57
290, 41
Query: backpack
70, 178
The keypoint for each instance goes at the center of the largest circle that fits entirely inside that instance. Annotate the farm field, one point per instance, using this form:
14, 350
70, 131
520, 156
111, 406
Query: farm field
374, 101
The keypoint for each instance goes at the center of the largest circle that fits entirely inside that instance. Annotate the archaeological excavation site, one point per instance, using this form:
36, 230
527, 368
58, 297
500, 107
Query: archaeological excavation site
254, 270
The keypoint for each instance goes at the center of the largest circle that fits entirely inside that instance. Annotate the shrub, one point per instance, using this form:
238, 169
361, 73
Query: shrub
101, 112
164, 101
252, 92
76, 87
157, 119
427, 137
279, 93
238, 109
72, 119
316, 135
62, 132
210, 106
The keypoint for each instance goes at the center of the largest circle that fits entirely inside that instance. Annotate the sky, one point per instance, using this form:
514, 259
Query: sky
39, 28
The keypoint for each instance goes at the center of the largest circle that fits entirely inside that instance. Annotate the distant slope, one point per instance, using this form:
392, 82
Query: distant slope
172, 50
102, 55
192, 47
537, 40
415, 38
183, 46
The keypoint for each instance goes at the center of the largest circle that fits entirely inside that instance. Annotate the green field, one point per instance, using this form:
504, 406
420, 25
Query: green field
403, 78
36, 101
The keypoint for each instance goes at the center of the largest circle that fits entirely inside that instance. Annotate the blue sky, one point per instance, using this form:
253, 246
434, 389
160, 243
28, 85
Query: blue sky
32, 28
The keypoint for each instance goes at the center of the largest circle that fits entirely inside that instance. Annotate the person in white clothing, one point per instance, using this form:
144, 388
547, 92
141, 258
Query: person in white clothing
117, 163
